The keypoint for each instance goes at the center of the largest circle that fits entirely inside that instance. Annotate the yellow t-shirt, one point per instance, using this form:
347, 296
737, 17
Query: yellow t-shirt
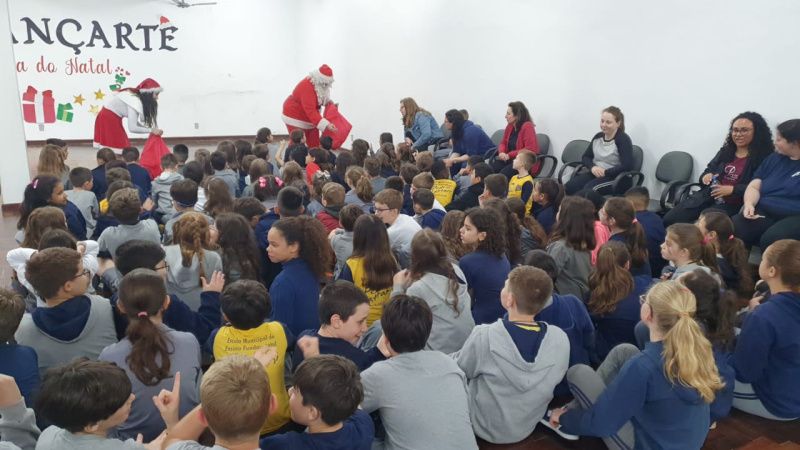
515, 189
376, 298
443, 191
103, 206
230, 341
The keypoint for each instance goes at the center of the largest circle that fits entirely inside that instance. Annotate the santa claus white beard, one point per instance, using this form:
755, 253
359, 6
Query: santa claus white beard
323, 93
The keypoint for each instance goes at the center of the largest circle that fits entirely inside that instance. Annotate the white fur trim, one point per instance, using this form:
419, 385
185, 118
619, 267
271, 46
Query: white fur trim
318, 78
296, 123
99, 145
152, 90
323, 123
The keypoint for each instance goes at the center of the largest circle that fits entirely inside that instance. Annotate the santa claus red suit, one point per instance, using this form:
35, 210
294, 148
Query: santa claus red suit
302, 109
108, 129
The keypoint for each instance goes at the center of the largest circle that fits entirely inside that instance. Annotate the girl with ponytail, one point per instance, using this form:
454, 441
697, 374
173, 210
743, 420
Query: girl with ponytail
189, 260
301, 245
619, 216
153, 355
547, 196
717, 229
360, 192
686, 250
614, 299
628, 398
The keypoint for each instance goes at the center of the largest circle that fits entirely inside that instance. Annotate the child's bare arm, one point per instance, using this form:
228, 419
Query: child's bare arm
187, 429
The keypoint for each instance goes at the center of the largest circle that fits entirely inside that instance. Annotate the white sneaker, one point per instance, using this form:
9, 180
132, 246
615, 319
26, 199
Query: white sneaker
546, 422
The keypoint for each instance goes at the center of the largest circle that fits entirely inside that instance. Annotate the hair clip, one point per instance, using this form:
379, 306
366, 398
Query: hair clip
142, 314
262, 182
279, 182
35, 182
731, 237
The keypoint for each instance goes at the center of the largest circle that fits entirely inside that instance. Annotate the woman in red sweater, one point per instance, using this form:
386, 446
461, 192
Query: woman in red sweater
520, 134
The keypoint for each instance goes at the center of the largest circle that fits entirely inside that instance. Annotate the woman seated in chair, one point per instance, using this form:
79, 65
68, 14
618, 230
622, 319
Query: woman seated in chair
748, 143
520, 134
610, 153
468, 140
771, 208
421, 129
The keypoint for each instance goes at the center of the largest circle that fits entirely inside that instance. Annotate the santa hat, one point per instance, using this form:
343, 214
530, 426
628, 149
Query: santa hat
164, 22
324, 74
149, 86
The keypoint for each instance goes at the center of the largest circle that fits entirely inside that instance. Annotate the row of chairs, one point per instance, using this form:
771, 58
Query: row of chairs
674, 169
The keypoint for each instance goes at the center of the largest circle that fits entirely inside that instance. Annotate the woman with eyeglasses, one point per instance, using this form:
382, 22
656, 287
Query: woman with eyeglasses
725, 179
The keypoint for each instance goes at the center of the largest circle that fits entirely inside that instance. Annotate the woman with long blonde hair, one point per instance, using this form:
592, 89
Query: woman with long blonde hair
657, 398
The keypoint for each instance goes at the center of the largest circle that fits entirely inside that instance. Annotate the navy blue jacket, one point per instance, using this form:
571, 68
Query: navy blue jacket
269, 269
295, 295
768, 353
99, 185
357, 433
433, 219
75, 221
334, 346
616, 327
22, 364
545, 215
474, 141
653, 226
141, 178
664, 415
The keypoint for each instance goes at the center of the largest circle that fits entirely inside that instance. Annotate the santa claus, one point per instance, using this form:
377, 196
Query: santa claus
301, 110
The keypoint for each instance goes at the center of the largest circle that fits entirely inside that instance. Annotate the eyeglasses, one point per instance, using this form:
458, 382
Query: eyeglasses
84, 272
741, 130
377, 210
164, 267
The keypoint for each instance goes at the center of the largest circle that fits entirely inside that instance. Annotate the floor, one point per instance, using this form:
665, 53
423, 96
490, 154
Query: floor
739, 431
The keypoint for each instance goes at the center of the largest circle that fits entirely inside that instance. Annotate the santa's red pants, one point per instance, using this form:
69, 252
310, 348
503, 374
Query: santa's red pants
312, 135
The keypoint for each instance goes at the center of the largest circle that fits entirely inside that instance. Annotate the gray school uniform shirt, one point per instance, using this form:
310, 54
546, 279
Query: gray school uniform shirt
573, 269
342, 243
185, 281
18, 427
54, 438
508, 395
144, 417
87, 204
422, 400
97, 334
230, 178
113, 237
160, 192
450, 328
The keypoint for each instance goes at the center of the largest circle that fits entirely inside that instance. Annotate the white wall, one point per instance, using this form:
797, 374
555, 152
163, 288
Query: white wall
14, 167
680, 70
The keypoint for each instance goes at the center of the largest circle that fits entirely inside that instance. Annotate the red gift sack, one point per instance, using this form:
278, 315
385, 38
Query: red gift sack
154, 149
342, 125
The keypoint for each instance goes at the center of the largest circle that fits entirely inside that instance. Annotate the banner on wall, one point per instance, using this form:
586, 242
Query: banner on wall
67, 93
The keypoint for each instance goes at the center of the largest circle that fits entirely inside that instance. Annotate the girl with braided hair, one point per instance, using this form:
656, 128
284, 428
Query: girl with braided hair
189, 260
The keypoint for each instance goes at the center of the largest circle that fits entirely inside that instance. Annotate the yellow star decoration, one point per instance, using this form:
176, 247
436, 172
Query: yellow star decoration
94, 109
78, 99
99, 95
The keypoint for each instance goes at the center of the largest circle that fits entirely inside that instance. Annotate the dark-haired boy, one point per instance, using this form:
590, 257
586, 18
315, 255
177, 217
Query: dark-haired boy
494, 186
250, 208
245, 308
125, 206
219, 163
162, 184
469, 198
325, 397
423, 207
181, 152
652, 224
289, 204
421, 395
99, 186
84, 400
82, 196
17, 361
184, 198
513, 364
139, 175
343, 311
74, 323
